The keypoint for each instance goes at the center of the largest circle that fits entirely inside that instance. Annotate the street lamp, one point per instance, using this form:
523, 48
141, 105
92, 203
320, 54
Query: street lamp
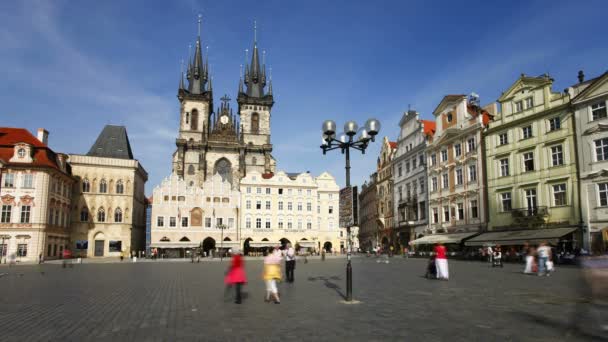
345, 142
221, 227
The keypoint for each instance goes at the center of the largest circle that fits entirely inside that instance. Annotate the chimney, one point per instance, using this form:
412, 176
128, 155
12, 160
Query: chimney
43, 136
581, 76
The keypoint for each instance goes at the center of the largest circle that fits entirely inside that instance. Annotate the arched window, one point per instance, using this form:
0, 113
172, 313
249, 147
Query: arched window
117, 215
224, 169
194, 120
191, 169
103, 186
84, 214
255, 123
86, 186
101, 215
120, 188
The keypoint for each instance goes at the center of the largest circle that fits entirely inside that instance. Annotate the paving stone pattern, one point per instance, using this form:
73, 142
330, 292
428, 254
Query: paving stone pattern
183, 301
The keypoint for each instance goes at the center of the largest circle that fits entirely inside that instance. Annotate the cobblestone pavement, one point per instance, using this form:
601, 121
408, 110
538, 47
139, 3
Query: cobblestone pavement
183, 301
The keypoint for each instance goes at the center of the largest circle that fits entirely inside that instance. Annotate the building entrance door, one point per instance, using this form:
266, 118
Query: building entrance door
99, 247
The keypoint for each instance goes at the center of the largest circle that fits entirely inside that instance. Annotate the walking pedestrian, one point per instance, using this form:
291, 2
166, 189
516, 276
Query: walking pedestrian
544, 254
530, 254
441, 262
290, 263
272, 273
490, 254
236, 276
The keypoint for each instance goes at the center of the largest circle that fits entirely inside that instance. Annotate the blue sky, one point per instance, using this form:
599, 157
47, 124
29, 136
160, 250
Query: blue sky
72, 67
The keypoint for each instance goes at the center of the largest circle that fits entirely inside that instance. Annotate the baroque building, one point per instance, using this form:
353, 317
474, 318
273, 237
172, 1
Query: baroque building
109, 206
368, 214
456, 167
384, 187
532, 175
589, 100
409, 177
36, 195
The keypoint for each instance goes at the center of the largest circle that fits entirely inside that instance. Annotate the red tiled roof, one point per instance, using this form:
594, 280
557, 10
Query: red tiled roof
267, 175
474, 111
393, 144
429, 127
43, 155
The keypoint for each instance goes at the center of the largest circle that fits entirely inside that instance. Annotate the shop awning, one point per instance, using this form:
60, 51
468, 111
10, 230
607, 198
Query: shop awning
174, 244
519, 237
442, 238
307, 244
263, 244
227, 244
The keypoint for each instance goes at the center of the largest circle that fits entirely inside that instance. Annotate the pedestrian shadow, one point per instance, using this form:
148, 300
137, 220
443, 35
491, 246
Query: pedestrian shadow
571, 329
327, 281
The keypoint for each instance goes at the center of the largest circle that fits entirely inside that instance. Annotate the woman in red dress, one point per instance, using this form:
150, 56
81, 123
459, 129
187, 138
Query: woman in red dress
236, 275
441, 262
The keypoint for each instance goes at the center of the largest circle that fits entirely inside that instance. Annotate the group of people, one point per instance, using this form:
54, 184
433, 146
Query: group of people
539, 260
236, 276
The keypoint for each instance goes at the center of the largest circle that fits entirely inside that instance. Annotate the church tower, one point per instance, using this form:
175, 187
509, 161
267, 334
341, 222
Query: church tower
196, 103
255, 105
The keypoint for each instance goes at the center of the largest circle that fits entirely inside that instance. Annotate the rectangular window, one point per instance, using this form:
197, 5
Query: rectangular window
280, 205
4, 249
557, 155
172, 222
407, 167
289, 224
529, 102
115, 246
160, 221
308, 206
503, 139
248, 204
280, 223
300, 224
421, 185
184, 222
267, 191
299, 206
444, 155
434, 183
219, 221
28, 181
474, 213
602, 189
258, 190
258, 205
258, 223
471, 144
435, 216
444, 181
413, 163
446, 214
208, 222
289, 206
399, 171
457, 150
505, 199
528, 161
22, 250
598, 111
460, 211
267, 223
459, 178
280, 191
555, 124
519, 106
559, 194
331, 209
308, 225
25, 213
318, 209
421, 159
601, 149
248, 223
9, 180
422, 208
6, 213
248, 189
267, 205
527, 132
289, 192
433, 159
504, 167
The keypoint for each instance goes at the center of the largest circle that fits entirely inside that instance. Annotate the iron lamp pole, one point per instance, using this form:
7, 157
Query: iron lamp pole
344, 143
222, 227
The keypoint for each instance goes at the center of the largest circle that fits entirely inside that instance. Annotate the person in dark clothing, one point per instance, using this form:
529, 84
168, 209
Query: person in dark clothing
290, 263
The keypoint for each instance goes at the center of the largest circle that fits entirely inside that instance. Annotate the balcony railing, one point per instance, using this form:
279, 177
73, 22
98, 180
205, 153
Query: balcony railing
530, 213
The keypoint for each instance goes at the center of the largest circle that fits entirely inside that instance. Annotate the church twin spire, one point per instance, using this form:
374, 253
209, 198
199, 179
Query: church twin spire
197, 73
255, 76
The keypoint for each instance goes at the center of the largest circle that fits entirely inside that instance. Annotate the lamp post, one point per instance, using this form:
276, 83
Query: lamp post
221, 227
344, 143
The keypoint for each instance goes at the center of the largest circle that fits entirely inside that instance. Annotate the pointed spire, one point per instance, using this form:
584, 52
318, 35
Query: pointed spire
189, 72
241, 79
182, 86
210, 84
254, 76
270, 83
198, 71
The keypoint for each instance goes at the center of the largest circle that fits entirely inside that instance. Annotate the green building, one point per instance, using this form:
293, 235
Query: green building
531, 169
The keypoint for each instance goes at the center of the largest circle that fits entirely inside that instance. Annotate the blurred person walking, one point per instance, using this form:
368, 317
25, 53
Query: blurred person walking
530, 254
290, 263
272, 274
236, 276
544, 254
441, 262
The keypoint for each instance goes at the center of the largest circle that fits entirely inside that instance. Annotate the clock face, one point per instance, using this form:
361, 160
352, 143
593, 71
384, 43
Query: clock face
224, 119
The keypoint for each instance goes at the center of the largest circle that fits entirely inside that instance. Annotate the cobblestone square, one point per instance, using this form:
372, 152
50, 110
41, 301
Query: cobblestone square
174, 301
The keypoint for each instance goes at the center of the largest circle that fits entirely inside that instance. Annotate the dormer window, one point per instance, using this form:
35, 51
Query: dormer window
21, 153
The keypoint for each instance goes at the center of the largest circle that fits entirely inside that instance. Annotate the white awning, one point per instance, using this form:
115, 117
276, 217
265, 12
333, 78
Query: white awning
174, 244
227, 244
307, 244
520, 237
263, 244
441, 238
